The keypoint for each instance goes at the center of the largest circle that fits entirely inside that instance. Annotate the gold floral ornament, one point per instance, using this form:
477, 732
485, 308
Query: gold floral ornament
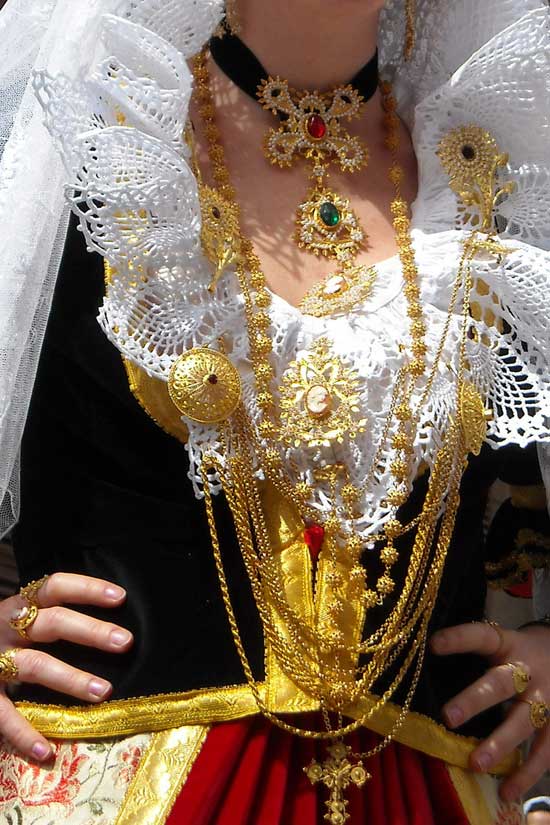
220, 231
340, 292
337, 773
474, 417
471, 157
311, 125
205, 386
319, 400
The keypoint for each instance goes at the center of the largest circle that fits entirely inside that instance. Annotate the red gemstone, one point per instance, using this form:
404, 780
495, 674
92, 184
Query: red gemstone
316, 127
313, 537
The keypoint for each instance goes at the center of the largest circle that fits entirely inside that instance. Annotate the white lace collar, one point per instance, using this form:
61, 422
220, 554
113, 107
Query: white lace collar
484, 64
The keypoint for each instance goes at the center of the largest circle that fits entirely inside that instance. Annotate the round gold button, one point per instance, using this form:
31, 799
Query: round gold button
205, 386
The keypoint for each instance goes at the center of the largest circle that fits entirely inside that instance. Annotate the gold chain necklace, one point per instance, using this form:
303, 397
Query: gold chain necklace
257, 299
314, 659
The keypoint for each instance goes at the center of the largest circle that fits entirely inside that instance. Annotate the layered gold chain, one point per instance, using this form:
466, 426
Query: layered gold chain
314, 655
309, 643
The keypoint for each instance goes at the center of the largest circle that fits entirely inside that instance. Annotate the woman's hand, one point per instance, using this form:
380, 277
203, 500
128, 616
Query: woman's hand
529, 648
54, 623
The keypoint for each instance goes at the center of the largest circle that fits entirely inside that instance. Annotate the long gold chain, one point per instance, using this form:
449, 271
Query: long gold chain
422, 581
257, 300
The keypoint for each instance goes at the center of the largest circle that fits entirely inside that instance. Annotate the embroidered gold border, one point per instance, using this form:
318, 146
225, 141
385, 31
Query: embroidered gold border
125, 717
161, 775
471, 796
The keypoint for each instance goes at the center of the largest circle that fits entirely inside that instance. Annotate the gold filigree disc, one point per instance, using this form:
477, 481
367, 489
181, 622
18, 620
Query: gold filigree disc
205, 386
473, 418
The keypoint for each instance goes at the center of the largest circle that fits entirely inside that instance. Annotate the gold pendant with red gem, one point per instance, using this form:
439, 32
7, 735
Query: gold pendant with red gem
311, 128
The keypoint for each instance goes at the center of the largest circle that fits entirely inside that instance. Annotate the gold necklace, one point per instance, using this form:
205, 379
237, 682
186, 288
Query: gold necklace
325, 222
339, 293
313, 659
261, 343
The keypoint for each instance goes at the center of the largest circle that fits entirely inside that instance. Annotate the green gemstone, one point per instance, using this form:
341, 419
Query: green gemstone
329, 214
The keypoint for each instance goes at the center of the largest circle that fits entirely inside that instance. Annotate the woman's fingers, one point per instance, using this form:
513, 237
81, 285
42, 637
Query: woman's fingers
494, 687
68, 588
55, 623
20, 733
515, 729
71, 588
531, 770
477, 637
40, 668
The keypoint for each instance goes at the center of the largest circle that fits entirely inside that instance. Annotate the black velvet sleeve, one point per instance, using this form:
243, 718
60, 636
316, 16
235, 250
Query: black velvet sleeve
105, 493
518, 539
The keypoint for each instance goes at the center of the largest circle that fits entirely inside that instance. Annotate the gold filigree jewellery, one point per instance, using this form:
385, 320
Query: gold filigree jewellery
311, 128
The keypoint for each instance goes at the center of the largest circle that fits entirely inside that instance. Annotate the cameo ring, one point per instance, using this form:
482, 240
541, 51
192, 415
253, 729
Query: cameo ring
539, 713
29, 593
520, 676
23, 618
8, 667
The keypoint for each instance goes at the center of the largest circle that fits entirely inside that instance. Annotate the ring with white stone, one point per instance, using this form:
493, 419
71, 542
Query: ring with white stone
24, 618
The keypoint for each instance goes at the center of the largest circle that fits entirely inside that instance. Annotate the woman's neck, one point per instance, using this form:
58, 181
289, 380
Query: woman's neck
314, 44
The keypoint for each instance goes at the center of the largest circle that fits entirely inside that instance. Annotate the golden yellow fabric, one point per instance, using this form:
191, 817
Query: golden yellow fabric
161, 775
471, 795
152, 395
209, 706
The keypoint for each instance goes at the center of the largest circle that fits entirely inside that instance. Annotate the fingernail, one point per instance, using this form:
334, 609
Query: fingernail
41, 751
483, 761
114, 593
99, 688
454, 715
120, 637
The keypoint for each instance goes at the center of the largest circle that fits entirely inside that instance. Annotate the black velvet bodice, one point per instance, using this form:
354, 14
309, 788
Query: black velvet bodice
105, 493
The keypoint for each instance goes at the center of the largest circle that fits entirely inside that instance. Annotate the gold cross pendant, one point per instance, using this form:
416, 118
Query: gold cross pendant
337, 773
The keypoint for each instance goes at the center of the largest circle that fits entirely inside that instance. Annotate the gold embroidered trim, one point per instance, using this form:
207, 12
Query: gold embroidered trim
153, 397
161, 775
529, 497
470, 793
125, 717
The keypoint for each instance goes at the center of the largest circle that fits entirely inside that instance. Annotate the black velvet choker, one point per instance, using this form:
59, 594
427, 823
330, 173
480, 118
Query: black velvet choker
242, 66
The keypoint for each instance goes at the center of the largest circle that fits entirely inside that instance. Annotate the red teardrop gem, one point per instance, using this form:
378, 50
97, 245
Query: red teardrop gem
313, 537
316, 127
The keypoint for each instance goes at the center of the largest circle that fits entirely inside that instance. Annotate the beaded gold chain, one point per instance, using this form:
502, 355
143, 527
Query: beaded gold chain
314, 659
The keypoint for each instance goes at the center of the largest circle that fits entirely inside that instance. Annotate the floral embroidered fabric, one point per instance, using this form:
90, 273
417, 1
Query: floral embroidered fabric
85, 784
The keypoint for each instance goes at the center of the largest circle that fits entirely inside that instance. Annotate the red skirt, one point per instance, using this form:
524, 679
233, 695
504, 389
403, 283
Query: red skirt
252, 773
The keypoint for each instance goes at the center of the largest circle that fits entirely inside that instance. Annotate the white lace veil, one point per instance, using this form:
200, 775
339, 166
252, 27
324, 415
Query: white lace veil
56, 35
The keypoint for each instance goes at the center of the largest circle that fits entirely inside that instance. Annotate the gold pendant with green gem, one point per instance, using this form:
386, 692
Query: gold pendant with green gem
327, 225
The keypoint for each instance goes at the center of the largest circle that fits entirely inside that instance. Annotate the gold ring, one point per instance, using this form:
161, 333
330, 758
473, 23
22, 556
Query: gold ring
8, 667
498, 629
520, 676
30, 592
539, 713
23, 619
